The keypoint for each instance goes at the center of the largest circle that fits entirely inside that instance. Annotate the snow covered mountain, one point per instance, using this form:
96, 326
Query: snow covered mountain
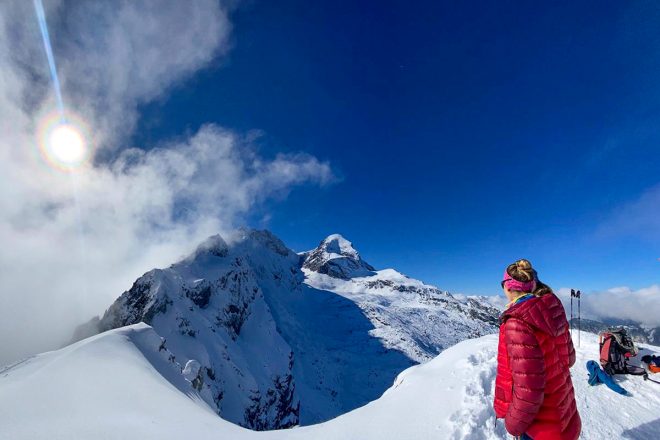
120, 385
272, 339
408, 315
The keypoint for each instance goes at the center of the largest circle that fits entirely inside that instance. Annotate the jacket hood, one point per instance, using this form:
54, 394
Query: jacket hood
545, 313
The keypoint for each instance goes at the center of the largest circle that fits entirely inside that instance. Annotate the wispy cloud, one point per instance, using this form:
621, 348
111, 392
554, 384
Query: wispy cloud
70, 246
639, 218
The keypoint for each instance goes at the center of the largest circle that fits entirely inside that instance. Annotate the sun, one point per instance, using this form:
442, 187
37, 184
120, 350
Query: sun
67, 145
64, 142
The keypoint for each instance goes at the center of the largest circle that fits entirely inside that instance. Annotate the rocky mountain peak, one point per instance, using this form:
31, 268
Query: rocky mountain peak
214, 245
337, 244
243, 243
254, 238
335, 256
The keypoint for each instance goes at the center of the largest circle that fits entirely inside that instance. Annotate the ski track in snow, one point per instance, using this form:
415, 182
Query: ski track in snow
6, 369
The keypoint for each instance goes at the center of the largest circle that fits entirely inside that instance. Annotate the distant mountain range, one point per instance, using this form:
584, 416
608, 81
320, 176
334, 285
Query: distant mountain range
639, 332
270, 338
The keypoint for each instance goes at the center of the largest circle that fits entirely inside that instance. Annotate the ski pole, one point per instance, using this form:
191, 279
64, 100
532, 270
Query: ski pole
579, 322
571, 322
646, 377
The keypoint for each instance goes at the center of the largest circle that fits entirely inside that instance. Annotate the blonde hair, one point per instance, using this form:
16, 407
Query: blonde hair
523, 271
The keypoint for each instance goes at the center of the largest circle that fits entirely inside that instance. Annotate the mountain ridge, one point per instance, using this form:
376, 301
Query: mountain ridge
280, 339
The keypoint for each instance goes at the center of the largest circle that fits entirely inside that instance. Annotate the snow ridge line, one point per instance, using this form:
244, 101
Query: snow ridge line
10, 367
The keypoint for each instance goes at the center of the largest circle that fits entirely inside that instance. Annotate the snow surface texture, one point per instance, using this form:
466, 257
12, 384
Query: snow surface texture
121, 385
273, 345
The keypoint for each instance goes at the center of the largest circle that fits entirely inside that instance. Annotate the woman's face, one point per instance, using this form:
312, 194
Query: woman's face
508, 293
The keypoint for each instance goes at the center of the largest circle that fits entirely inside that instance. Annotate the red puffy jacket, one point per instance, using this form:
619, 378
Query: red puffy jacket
533, 389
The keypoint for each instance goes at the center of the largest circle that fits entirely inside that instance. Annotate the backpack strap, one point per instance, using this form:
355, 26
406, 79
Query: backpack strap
635, 371
605, 350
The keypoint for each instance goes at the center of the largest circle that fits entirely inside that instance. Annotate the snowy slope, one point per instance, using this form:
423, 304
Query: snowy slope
118, 385
276, 339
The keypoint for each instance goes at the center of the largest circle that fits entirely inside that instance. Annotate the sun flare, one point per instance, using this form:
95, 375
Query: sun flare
67, 145
64, 143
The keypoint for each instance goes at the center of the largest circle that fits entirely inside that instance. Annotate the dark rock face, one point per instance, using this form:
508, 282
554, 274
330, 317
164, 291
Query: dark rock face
241, 295
200, 294
280, 400
214, 245
345, 268
138, 304
267, 240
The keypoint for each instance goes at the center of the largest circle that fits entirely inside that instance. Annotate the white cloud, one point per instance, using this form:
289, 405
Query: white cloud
620, 303
71, 245
639, 218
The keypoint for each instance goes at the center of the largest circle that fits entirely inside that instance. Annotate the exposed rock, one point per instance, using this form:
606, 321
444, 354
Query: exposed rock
336, 257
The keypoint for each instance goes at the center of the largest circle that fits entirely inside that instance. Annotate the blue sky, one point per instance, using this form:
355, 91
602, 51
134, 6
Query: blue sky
465, 135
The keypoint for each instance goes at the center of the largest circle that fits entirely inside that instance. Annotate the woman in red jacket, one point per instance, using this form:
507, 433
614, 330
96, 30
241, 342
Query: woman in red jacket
533, 389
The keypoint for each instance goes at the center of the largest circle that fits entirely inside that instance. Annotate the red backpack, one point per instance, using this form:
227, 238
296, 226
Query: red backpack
616, 348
